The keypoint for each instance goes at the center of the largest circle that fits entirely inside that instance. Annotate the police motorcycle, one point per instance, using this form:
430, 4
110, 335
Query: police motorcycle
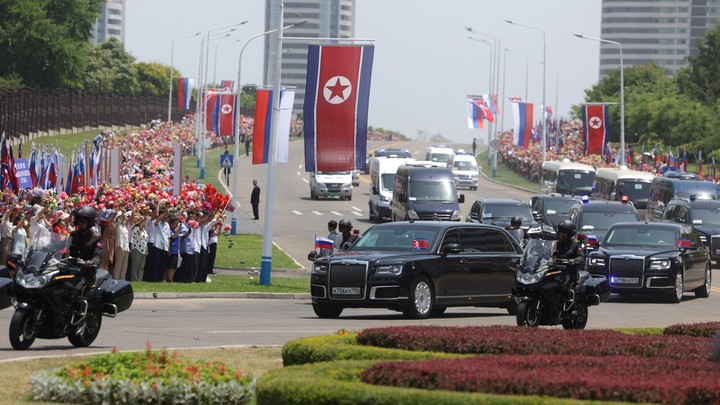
545, 294
54, 298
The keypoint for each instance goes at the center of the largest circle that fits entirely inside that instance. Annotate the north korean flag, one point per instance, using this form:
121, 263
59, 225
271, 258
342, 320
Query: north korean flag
226, 115
337, 95
595, 130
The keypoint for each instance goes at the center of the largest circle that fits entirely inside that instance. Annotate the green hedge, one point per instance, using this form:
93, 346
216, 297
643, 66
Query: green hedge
337, 383
344, 347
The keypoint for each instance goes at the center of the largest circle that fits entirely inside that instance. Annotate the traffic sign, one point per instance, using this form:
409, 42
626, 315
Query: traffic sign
226, 160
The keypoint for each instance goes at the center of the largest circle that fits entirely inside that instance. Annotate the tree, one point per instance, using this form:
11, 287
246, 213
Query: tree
46, 42
701, 80
111, 69
153, 78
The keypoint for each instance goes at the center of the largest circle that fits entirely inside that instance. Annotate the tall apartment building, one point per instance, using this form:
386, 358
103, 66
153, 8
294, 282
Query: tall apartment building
660, 31
110, 22
325, 19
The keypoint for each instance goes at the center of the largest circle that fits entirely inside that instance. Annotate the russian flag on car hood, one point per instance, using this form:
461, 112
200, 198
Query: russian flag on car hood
337, 95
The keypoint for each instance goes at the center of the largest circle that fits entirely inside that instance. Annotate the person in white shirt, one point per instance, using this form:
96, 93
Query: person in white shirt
138, 247
6, 227
162, 244
122, 245
40, 228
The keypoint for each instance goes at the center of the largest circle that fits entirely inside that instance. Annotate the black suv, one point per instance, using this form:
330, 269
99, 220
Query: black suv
550, 209
418, 268
594, 218
653, 258
704, 215
499, 212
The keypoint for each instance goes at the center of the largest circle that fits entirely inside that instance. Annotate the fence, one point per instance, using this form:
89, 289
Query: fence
36, 111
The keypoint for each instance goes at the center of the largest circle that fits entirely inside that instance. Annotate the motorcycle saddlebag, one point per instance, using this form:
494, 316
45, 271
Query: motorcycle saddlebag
597, 285
117, 292
5, 286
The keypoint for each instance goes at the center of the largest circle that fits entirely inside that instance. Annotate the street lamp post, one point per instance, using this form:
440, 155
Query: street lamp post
170, 86
236, 164
623, 158
544, 134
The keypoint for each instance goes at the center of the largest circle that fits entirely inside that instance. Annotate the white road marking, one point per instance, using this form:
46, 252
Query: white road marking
296, 212
357, 214
299, 174
336, 213
306, 180
317, 212
356, 208
300, 166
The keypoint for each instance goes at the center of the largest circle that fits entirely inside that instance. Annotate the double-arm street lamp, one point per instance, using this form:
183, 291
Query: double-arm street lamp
623, 158
170, 85
544, 134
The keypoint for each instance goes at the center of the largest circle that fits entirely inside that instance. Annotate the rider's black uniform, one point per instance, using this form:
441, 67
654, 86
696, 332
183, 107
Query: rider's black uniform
570, 249
86, 245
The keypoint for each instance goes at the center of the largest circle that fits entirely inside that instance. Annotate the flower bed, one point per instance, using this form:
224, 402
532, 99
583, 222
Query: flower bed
149, 377
708, 329
613, 378
515, 340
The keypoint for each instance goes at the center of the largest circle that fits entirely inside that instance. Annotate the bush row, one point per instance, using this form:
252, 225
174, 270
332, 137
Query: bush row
613, 378
515, 340
707, 329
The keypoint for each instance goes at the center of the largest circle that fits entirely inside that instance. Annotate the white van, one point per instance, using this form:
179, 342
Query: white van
439, 154
382, 180
331, 184
567, 178
465, 171
612, 184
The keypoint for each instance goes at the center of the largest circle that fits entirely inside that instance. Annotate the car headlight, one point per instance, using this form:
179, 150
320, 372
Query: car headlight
347, 185
455, 216
413, 215
596, 261
32, 281
319, 269
389, 270
529, 278
660, 264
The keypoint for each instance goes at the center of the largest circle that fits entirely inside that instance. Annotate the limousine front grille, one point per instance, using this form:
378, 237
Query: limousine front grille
347, 280
625, 272
435, 217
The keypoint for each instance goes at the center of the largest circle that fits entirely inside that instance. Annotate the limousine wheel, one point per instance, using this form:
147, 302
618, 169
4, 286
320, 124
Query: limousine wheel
677, 293
327, 311
704, 290
421, 300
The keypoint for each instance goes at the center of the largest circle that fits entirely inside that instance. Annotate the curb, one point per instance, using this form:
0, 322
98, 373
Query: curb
236, 295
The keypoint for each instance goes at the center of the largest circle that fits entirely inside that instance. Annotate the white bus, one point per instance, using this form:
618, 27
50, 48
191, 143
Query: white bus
567, 178
612, 184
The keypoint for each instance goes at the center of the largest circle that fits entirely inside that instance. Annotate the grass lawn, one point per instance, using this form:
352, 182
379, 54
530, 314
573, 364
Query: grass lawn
505, 175
230, 283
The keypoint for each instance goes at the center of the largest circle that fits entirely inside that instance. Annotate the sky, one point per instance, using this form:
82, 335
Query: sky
424, 64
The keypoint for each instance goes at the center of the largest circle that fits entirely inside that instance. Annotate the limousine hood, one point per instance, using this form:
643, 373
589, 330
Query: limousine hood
376, 255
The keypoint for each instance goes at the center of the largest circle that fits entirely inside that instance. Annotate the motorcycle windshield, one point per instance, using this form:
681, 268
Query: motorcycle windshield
537, 253
39, 257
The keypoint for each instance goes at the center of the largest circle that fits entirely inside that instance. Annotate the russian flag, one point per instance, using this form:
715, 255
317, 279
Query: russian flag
337, 94
262, 126
420, 244
523, 119
184, 92
595, 130
323, 243
212, 110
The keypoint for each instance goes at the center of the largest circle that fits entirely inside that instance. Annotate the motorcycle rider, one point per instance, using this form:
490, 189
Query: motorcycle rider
569, 249
345, 227
85, 244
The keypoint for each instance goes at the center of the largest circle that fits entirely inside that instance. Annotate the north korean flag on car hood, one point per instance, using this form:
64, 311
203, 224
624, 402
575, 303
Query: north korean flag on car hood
336, 107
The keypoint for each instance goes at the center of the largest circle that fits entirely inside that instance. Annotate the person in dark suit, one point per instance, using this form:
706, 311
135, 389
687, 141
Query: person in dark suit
255, 199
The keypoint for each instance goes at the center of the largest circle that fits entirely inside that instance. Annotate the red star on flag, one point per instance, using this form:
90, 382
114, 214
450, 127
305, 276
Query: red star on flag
337, 90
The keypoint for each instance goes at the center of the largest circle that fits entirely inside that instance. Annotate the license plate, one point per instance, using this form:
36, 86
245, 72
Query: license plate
625, 280
346, 290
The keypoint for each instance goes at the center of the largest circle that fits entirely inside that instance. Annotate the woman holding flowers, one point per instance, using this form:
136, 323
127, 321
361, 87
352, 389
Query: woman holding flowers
138, 247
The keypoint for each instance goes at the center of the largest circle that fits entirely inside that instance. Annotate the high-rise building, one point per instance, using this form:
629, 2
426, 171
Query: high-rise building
110, 22
325, 19
660, 31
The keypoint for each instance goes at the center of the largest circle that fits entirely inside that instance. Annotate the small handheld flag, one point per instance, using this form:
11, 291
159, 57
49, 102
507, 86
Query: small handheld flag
323, 243
420, 244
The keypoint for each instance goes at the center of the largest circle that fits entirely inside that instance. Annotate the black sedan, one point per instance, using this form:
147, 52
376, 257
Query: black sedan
653, 258
420, 269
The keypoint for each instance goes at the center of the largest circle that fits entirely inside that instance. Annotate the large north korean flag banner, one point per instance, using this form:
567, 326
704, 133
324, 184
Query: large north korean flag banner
335, 117
596, 132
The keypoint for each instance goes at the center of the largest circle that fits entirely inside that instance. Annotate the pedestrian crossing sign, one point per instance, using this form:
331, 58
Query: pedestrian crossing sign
226, 160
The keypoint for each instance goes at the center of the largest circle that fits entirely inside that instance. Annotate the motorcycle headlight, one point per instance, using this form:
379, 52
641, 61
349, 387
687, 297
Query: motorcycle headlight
596, 261
455, 216
389, 270
319, 269
529, 278
32, 281
660, 264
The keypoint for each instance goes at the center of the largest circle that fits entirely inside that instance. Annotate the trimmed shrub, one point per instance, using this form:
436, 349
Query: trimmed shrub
516, 340
614, 378
708, 329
